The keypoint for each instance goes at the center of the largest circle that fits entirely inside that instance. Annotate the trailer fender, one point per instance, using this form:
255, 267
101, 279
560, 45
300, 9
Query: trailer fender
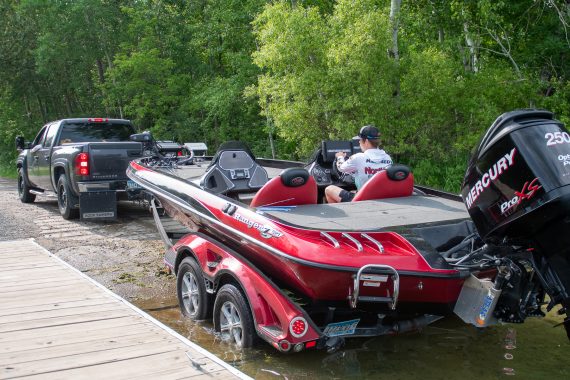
272, 310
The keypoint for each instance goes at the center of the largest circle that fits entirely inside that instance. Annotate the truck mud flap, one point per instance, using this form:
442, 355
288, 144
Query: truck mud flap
98, 205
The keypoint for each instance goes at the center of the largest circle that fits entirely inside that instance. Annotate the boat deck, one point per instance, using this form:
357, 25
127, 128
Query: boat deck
365, 215
57, 323
374, 214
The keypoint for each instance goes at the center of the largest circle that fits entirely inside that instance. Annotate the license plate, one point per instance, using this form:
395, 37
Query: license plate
341, 328
133, 185
93, 215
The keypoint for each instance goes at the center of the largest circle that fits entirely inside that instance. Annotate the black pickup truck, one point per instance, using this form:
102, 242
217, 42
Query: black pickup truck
82, 162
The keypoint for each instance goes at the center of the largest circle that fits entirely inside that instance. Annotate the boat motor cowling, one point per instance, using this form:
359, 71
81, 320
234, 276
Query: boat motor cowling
517, 192
518, 179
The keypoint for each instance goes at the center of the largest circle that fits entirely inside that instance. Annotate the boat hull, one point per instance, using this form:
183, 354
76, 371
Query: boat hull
307, 264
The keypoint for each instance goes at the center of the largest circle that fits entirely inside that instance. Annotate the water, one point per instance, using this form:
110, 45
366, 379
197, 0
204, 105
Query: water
447, 348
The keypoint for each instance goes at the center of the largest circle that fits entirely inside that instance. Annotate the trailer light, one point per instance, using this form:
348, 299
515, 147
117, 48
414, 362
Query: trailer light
82, 164
311, 344
284, 345
298, 347
298, 327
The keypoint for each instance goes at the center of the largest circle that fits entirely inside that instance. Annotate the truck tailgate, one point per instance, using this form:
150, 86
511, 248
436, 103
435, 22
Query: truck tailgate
109, 160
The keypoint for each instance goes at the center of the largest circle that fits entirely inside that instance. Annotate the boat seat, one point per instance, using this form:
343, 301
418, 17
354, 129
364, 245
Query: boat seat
293, 187
396, 181
233, 170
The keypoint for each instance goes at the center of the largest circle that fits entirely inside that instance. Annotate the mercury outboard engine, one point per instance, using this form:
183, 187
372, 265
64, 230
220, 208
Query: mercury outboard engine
517, 192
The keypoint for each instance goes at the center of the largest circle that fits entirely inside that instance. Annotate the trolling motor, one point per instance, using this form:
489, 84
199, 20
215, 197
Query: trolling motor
165, 153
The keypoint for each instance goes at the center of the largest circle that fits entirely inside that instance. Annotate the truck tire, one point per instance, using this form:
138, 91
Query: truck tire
66, 200
232, 317
24, 190
195, 303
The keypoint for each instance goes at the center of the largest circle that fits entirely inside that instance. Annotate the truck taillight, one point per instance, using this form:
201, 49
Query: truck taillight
82, 164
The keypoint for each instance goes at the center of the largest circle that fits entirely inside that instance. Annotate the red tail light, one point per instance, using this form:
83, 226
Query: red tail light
179, 153
298, 327
311, 344
284, 345
82, 164
97, 120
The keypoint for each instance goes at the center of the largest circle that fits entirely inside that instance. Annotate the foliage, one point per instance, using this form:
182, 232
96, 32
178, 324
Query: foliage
289, 72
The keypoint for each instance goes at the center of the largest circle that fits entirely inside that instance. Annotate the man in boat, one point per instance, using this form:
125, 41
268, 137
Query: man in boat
362, 165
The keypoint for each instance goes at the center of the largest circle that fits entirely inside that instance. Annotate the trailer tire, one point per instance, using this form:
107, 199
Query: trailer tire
24, 190
66, 200
195, 303
233, 318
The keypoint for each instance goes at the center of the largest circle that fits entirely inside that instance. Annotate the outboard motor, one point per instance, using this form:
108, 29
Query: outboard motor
517, 192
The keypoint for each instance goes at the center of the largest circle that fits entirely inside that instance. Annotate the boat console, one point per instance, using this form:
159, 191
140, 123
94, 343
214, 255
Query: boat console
322, 165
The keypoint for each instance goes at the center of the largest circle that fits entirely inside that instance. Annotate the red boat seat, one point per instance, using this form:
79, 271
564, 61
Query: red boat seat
293, 187
396, 181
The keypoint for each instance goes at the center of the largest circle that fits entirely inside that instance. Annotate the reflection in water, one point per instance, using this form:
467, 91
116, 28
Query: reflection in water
510, 344
447, 348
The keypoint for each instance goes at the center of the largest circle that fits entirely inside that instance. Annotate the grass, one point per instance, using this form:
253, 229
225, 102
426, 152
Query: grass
8, 172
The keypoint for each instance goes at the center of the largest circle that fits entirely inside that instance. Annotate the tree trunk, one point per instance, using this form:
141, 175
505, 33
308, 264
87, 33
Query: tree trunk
100, 71
41, 107
68, 105
28, 107
119, 104
472, 45
395, 6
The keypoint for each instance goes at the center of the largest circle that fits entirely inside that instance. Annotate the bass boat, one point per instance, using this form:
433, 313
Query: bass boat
399, 255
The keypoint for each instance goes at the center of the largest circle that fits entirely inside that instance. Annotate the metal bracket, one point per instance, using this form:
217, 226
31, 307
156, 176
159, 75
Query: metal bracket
161, 231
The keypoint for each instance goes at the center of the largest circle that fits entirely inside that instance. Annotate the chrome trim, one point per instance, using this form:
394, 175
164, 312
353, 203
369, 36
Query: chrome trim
49, 194
91, 186
331, 239
356, 242
378, 244
274, 332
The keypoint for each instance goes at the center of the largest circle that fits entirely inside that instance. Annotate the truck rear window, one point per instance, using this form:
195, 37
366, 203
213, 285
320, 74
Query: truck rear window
95, 132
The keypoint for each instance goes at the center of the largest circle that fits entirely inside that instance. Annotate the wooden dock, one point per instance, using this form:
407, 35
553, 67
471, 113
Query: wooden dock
57, 323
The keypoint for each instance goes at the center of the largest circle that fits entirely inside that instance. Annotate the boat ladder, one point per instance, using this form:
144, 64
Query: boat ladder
380, 273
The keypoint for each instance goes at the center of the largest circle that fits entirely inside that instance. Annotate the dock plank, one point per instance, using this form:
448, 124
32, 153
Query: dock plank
140, 368
7, 338
104, 309
70, 320
56, 323
38, 342
91, 301
121, 340
15, 303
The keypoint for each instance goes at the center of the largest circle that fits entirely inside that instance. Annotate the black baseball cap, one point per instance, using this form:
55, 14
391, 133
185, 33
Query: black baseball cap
368, 132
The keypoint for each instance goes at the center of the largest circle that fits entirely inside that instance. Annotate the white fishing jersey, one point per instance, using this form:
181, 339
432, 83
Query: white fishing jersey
364, 165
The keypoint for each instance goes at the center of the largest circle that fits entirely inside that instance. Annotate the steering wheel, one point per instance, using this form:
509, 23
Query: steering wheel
343, 178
